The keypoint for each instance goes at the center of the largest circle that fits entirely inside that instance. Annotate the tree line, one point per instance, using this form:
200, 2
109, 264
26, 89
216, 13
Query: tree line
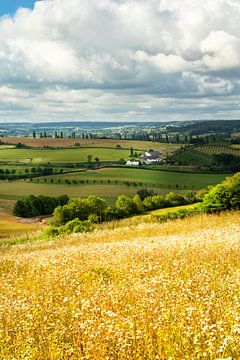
80, 214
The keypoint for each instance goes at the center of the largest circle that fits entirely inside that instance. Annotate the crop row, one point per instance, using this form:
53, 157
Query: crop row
216, 150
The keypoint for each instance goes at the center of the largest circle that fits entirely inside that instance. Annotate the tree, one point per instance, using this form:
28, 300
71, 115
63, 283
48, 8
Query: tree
225, 196
124, 205
138, 205
143, 193
89, 159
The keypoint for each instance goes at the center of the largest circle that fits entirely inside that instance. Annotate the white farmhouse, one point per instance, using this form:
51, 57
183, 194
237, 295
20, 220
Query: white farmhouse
150, 157
133, 162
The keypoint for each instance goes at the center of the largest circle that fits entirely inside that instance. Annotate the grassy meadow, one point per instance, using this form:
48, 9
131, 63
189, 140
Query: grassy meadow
98, 183
164, 179
147, 291
17, 189
76, 155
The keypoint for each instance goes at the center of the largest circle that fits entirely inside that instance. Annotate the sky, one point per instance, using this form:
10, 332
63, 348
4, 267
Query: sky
9, 7
119, 60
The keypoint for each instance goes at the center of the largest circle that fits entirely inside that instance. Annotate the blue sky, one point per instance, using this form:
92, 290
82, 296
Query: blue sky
10, 6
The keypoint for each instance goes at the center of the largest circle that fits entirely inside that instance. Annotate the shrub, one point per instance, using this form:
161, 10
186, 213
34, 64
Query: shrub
225, 196
79, 208
143, 193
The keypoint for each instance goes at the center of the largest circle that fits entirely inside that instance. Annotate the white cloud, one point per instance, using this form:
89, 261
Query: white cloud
102, 59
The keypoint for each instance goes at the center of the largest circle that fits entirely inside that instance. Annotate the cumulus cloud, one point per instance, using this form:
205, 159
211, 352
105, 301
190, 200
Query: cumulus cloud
120, 59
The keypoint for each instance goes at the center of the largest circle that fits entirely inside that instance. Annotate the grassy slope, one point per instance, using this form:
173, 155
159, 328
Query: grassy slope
17, 189
10, 226
149, 176
147, 291
211, 149
190, 157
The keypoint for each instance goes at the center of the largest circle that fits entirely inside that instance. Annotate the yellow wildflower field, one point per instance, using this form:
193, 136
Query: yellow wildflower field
146, 291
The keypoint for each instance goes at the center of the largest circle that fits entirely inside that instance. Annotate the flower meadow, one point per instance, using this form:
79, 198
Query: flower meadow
146, 291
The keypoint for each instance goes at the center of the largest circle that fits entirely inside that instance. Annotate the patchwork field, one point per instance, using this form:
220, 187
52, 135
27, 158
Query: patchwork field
127, 144
147, 291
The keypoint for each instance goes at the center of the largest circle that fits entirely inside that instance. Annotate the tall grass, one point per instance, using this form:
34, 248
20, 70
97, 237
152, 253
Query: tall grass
146, 291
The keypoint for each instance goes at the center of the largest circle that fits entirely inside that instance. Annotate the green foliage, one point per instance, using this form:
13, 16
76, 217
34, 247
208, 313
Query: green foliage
125, 206
225, 196
178, 214
94, 210
80, 208
143, 193
32, 205
175, 199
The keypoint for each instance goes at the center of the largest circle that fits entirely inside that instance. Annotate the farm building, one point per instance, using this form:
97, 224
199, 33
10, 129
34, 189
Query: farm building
133, 162
150, 157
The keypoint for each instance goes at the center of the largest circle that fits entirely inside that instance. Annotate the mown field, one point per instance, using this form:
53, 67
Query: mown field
17, 189
40, 156
127, 144
164, 179
148, 291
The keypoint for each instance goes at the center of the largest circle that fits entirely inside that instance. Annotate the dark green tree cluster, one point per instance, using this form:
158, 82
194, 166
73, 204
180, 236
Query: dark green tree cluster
38, 205
227, 162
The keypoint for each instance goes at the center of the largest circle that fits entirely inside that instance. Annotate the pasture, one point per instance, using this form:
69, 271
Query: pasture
17, 189
164, 179
76, 155
147, 291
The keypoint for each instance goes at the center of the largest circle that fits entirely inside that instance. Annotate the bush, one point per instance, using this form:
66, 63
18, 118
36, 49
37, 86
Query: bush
73, 226
178, 214
143, 193
79, 208
225, 196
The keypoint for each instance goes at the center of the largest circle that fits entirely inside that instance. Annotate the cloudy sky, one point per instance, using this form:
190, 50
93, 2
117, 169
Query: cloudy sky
120, 60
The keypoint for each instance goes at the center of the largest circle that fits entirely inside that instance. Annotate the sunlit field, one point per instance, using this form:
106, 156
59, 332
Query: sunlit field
12, 227
136, 144
148, 291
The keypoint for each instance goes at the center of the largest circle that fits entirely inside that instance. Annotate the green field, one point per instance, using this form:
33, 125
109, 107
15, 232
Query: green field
164, 179
40, 156
17, 189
